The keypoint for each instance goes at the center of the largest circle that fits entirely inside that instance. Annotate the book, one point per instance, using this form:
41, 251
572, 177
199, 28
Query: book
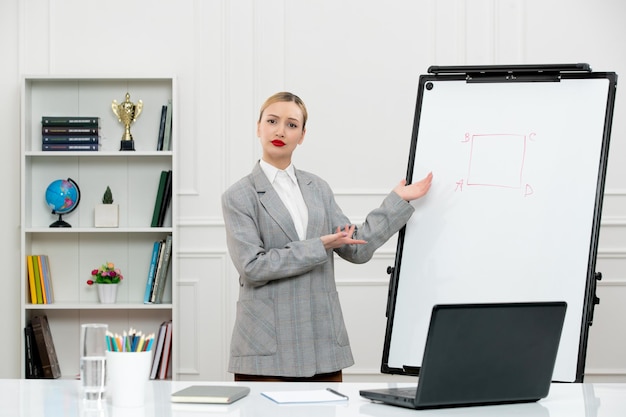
167, 348
159, 199
31, 355
45, 347
44, 293
75, 121
210, 394
38, 288
28, 355
69, 146
151, 272
159, 288
31, 279
157, 273
158, 350
167, 138
62, 139
70, 131
47, 278
167, 198
159, 146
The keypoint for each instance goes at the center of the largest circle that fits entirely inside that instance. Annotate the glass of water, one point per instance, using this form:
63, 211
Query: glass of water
93, 359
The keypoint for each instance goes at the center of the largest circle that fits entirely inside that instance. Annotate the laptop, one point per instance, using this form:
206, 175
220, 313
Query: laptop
479, 354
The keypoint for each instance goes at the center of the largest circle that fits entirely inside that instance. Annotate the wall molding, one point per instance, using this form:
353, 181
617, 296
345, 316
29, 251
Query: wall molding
605, 375
193, 284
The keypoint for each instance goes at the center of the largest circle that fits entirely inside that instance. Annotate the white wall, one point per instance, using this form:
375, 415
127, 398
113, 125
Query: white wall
356, 65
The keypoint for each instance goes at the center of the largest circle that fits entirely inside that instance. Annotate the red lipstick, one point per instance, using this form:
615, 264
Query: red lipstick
278, 142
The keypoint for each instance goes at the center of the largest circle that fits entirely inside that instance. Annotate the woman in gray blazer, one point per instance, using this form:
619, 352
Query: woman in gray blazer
282, 227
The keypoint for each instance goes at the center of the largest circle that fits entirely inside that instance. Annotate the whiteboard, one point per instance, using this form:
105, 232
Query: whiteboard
513, 211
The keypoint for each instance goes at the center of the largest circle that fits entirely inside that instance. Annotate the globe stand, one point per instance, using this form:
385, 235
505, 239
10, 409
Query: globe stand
60, 222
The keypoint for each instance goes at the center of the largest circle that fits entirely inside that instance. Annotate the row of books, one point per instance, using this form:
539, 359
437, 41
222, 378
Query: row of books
157, 273
163, 199
164, 140
39, 279
41, 359
82, 133
162, 358
70, 133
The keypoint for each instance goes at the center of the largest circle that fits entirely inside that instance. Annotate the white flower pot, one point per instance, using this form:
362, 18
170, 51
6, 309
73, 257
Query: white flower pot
107, 293
107, 215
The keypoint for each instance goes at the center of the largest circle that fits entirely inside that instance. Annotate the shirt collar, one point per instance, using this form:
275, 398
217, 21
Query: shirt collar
271, 171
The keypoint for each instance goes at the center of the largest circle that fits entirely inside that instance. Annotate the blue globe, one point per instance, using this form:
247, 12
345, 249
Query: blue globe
62, 196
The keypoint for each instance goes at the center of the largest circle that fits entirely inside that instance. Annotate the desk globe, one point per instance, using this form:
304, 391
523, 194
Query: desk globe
62, 196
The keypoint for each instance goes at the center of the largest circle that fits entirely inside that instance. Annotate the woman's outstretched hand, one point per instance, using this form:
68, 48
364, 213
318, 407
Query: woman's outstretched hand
415, 190
406, 192
341, 237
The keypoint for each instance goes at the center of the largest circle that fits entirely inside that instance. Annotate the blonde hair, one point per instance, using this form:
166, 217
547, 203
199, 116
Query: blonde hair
285, 96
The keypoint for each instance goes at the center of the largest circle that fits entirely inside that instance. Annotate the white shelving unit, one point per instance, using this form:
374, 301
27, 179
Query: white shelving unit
133, 177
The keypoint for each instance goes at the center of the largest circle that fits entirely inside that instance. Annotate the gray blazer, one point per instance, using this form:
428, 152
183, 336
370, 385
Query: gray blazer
289, 321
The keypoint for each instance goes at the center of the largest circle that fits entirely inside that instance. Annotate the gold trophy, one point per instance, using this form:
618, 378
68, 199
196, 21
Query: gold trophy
127, 112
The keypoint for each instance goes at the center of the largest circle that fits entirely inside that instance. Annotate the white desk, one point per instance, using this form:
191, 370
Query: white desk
62, 398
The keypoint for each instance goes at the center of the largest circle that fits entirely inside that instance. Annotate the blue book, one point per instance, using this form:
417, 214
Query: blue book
153, 264
161, 272
47, 278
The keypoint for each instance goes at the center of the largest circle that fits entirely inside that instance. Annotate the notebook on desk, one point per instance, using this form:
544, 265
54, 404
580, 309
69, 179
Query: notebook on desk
210, 394
479, 354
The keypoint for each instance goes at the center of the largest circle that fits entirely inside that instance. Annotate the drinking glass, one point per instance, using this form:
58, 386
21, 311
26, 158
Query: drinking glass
93, 359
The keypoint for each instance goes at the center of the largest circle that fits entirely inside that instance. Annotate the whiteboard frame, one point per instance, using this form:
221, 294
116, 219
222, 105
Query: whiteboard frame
513, 74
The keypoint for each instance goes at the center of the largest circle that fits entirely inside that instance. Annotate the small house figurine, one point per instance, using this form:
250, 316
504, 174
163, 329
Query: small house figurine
107, 213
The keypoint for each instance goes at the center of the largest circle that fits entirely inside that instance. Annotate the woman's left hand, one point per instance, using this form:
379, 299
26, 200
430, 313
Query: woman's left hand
341, 238
415, 190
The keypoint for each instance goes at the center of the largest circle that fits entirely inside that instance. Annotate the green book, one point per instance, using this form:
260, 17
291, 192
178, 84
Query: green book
36, 270
167, 197
159, 199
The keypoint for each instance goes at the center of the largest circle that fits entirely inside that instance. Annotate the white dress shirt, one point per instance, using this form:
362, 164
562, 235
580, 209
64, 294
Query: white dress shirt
286, 185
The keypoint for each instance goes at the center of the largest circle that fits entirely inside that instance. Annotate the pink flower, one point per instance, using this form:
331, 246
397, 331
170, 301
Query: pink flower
106, 274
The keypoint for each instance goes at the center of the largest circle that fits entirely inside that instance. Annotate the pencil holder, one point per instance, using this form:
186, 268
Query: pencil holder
128, 374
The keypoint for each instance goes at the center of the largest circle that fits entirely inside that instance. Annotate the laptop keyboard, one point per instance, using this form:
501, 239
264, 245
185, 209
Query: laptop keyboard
402, 392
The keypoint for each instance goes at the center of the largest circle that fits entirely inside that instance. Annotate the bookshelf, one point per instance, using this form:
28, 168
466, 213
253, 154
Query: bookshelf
133, 177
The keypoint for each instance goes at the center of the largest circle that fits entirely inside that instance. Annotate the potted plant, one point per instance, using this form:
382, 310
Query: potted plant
106, 278
107, 214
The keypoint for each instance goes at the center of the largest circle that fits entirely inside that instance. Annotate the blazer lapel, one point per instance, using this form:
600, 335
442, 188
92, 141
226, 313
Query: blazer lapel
272, 203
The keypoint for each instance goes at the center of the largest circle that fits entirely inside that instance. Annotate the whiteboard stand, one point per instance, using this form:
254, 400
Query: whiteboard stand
519, 156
